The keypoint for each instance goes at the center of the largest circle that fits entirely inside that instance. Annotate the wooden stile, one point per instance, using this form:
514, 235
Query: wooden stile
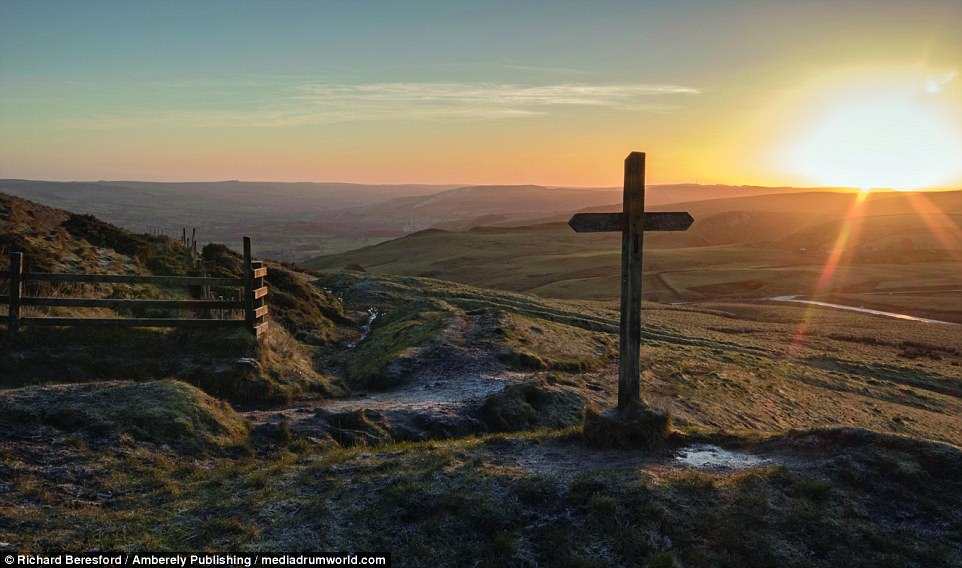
259, 302
252, 301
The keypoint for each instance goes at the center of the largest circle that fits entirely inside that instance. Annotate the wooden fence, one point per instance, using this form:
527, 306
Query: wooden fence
253, 300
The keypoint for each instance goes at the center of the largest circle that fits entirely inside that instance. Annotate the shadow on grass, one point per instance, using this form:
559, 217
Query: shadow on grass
224, 363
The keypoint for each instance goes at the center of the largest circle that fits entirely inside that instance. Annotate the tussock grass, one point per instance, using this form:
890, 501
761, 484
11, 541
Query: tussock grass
533, 405
162, 412
228, 364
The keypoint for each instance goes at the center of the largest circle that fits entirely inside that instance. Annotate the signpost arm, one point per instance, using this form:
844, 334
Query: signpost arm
629, 371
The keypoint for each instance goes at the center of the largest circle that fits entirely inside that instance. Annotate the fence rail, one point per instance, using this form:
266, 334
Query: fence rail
253, 301
130, 279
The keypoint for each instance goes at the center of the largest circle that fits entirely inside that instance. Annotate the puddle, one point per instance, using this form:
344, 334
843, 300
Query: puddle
712, 457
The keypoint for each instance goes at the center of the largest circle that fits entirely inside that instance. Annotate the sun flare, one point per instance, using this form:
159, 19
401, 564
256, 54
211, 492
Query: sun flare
887, 142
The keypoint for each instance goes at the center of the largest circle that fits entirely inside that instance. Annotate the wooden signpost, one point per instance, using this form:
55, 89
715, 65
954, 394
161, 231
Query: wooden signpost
632, 222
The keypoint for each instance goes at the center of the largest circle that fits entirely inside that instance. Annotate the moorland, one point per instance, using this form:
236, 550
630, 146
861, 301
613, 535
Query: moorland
436, 385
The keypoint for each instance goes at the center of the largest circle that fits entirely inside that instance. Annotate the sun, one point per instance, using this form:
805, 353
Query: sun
890, 142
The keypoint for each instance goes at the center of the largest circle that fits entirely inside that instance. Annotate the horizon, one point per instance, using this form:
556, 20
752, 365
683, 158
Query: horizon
449, 185
492, 95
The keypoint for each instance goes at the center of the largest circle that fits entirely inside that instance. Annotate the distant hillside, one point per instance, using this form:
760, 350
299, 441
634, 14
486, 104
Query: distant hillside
832, 203
298, 221
221, 211
656, 197
739, 247
467, 204
270, 198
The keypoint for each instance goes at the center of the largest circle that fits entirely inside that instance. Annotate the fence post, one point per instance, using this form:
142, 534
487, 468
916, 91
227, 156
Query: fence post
248, 285
16, 291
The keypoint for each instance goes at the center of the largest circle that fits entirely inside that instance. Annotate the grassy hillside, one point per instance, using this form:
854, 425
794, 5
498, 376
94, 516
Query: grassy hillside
297, 221
772, 246
730, 365
553, 261
52, 240
511, 206
282, 217
178, 416
848, 433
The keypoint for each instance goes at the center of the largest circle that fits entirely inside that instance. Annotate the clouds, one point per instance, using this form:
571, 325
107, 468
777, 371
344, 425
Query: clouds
466, 99
306, 103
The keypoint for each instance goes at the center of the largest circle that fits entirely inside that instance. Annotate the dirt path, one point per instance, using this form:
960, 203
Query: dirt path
668, 285
448, 381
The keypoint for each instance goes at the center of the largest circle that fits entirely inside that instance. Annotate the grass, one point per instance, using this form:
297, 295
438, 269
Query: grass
541, 344
410, 499
416, 315
377, 362
228, 364
533, 405
723, 365
179, 415
859, 499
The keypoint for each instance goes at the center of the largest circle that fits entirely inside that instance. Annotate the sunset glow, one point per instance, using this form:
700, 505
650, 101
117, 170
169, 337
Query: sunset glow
891, 143
492, 93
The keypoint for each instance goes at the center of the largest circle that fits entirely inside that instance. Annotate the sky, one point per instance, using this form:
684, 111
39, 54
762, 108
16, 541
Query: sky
835, 93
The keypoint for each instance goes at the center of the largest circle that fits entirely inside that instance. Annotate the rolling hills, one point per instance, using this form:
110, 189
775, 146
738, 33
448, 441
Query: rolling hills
745, 247
297, 221
220, 210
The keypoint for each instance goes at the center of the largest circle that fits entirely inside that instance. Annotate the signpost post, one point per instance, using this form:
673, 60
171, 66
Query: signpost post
632, 221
